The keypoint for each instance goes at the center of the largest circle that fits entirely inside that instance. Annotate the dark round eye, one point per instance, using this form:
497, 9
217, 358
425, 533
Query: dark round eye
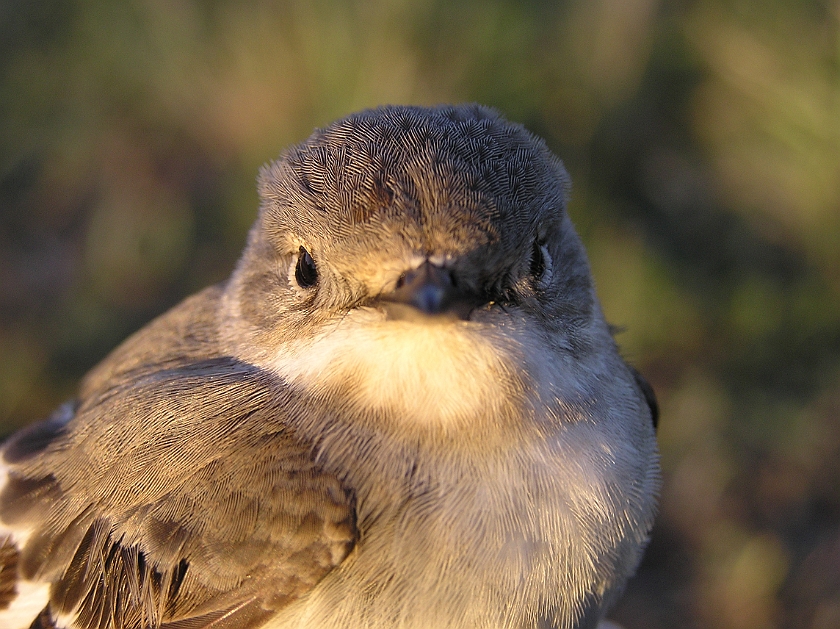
538, 261
305, 272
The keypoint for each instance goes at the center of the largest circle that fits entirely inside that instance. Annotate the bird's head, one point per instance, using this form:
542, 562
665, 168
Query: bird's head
407, 240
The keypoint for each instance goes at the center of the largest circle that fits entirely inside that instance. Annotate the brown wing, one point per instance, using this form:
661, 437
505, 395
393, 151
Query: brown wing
174, 497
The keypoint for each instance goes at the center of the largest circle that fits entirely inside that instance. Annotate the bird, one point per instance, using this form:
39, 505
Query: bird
404, 409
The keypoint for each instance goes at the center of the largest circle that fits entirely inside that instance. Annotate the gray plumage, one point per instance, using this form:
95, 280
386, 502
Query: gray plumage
404, 409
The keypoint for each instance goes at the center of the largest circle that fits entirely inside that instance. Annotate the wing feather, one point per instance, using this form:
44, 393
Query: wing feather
173, 493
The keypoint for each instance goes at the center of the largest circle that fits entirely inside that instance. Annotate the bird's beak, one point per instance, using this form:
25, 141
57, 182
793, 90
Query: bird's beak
429, 290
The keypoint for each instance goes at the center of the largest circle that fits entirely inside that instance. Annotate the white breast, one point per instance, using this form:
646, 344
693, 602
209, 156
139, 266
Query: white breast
522, 497
493, 544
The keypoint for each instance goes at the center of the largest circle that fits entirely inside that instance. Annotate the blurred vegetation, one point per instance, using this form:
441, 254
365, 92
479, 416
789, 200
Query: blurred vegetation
703, 139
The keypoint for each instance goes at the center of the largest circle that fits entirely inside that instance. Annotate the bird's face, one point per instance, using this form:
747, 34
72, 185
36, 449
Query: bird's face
418, 265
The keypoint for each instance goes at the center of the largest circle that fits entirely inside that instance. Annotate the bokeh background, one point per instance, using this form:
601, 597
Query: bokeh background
703, 139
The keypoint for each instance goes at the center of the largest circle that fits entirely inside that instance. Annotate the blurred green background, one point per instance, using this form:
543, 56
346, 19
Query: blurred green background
703, 139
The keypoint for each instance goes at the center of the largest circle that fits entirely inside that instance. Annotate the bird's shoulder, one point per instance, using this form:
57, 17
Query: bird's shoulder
173, 492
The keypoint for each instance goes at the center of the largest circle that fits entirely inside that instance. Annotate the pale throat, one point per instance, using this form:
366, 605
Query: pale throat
424, 372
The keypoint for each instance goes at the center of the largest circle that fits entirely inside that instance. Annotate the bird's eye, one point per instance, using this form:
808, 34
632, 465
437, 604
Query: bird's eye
540, 263
306, 274
537, 261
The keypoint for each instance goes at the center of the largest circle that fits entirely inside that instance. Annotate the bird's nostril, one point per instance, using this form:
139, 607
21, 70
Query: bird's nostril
401, 281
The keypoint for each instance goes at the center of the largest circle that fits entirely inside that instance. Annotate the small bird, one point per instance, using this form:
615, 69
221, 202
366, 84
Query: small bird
404, 409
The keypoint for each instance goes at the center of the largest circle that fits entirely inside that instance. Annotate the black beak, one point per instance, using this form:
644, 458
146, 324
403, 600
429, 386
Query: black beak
430, 290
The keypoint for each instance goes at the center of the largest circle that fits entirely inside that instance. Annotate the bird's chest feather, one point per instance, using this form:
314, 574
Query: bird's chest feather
481, 501
462, 540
